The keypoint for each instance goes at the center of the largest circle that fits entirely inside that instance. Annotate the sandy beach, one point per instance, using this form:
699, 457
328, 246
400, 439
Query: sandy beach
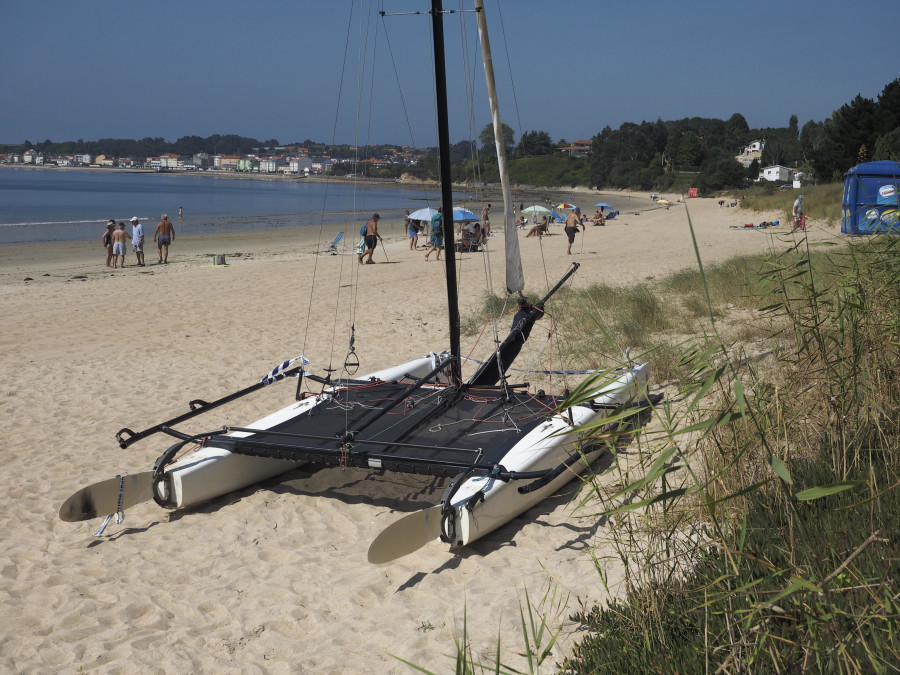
274, 578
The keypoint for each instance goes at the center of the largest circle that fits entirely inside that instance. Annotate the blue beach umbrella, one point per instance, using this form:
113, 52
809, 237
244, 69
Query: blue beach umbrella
603, 205
461, 215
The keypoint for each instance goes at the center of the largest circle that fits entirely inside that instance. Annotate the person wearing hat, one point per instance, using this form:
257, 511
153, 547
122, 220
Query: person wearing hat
372, 238
798, 213
137, 240
163, 236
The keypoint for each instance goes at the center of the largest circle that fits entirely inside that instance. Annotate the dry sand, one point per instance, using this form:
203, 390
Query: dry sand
274, 578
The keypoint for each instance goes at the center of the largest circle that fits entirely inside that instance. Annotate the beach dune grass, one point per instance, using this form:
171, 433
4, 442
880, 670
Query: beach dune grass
787, 518
820, 202
765, 540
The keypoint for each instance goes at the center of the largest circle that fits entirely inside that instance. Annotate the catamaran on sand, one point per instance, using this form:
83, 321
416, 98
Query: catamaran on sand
504, 447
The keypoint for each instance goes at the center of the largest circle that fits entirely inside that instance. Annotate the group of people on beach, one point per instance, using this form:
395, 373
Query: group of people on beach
114, 241
574, 220
471, 234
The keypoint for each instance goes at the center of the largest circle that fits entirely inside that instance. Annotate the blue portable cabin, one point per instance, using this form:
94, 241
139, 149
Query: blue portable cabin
870, 204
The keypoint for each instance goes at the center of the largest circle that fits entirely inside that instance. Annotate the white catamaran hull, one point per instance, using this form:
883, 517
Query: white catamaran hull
544, 447
212, 471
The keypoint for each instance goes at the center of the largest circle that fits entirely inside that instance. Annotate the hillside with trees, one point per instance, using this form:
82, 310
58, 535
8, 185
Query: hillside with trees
650, 154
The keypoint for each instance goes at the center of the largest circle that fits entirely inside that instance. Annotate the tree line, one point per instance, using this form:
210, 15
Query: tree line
647, 156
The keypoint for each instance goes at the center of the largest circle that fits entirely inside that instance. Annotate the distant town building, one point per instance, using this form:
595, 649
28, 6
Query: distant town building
248, 164
320, 166
750, 152
228, 162
271, 164
300, 165
168, 161
777, 174
579, 148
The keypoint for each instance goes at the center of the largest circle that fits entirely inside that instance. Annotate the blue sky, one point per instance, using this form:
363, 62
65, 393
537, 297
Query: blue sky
273, 69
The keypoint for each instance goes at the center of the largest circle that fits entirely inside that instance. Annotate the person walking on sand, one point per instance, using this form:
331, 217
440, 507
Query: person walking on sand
412, 229
436, 239
108, 240
118, 240
573, 220
137, 240
163, 236
798, 214
372, 238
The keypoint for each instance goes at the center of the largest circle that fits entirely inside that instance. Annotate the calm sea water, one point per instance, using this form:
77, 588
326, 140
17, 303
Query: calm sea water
54, 205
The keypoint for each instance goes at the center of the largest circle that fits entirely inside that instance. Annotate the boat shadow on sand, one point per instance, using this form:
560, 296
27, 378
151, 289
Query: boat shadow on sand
406, 493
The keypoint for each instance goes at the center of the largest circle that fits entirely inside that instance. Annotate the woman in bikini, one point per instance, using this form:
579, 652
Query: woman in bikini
107, 240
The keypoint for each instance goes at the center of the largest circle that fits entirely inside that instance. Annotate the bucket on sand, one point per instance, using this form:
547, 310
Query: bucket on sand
219, 259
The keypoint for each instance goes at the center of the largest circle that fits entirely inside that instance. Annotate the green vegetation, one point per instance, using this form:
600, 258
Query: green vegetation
771, 539
820, 202
644, 156
756, 519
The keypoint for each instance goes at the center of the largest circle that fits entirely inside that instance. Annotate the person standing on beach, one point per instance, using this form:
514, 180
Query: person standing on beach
573, 220
137, 240
413, 230
163, 236
118, 244
798, 213
436, 238
108, 240
372, 238
486, 220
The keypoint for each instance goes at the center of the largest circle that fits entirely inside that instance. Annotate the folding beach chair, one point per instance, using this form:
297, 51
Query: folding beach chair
337, 240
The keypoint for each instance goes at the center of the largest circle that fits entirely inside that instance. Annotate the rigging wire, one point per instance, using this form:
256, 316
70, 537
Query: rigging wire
312, 284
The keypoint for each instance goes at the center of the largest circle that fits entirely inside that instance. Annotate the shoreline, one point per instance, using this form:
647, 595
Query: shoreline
488, 190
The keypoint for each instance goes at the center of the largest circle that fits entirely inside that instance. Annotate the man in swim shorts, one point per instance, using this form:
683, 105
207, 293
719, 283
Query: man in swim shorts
372, 238
163, 236
137, 240
573, 220
118, 242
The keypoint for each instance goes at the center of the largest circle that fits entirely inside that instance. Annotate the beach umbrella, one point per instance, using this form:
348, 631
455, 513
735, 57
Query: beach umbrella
566, 206
461, 215
603, 205
540, 210
423, 214
556, 217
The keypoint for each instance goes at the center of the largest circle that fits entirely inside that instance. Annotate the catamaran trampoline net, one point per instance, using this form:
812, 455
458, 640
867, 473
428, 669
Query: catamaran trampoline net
434, 431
